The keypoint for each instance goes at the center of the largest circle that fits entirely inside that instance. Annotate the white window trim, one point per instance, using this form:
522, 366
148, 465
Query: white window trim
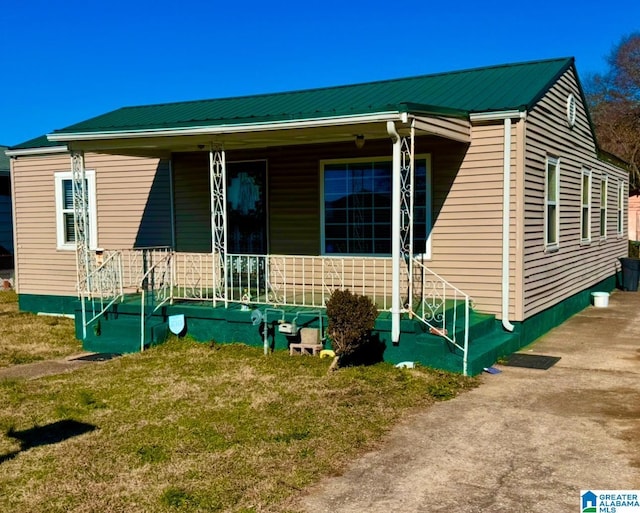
551, 246
604, 207
61, 176
585, 172
429, 215
620, 209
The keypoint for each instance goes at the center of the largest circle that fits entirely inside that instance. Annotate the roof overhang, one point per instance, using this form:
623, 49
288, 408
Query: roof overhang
159, 142
224, 129
45, 150
498, 115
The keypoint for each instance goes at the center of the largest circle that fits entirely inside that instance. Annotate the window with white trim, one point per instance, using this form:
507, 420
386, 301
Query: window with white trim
603, 206
620, 218
585, 207
551, 203
356, 200
65, 229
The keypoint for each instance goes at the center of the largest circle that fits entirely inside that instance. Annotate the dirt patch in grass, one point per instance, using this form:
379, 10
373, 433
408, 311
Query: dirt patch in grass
26, 337
185, 427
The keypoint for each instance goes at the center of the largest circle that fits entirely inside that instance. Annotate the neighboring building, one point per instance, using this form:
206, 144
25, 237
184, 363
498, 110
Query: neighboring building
277, 199
634, 216
6, 219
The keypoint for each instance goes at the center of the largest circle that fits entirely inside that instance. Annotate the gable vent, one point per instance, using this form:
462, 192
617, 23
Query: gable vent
571, 110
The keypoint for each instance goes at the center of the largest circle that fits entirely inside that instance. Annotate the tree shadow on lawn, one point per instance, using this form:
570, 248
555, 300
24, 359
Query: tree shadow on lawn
53, 433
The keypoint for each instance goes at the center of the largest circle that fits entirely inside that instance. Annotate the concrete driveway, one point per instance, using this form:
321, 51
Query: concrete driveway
526, 440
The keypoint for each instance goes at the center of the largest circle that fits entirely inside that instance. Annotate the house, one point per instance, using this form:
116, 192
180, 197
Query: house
474, 207
6, 216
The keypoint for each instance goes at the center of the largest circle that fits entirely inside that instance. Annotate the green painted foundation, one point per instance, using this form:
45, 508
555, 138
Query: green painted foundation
36, 303
539, 324
119, 330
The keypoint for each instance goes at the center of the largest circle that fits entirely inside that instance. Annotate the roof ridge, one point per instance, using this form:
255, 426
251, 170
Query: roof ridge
345, 86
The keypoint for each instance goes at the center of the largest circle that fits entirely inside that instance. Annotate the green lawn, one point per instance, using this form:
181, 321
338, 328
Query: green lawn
194, 427
26, 337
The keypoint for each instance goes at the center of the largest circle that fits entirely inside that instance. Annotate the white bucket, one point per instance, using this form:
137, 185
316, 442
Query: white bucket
600, 299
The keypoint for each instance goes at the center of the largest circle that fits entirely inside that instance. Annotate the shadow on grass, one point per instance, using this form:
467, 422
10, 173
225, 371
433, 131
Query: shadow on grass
45, 435
370, 353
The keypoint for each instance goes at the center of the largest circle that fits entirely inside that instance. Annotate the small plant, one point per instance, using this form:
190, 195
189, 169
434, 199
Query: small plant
351, 319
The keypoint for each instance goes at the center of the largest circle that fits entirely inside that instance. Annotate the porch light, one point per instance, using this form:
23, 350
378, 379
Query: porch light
359, 141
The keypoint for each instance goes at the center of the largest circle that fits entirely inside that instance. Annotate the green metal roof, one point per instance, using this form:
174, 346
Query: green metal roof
459, 93
38, 142
4, 161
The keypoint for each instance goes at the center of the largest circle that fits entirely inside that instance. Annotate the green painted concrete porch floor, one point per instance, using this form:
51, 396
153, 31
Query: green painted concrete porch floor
120, 332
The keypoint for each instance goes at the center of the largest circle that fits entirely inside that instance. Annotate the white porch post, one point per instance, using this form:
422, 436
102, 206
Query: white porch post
396, 192
218, 190
81, 231
407, 173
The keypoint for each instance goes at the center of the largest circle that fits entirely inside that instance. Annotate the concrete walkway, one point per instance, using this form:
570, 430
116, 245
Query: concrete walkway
525, 440
37, 370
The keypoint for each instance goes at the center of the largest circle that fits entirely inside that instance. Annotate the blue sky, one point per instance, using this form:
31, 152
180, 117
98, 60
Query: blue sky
67, 61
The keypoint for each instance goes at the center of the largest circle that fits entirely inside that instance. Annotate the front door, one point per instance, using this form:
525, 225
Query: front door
247, 208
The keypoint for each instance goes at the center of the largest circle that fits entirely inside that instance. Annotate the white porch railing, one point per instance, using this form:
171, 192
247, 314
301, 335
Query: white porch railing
163, 276
103, 288
136, 262
157, 289
283, 280
442, 307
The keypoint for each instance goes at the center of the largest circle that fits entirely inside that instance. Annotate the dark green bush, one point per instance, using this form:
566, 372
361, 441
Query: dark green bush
351, 317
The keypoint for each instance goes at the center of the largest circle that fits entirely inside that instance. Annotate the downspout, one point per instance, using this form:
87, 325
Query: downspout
506, 200
395, 233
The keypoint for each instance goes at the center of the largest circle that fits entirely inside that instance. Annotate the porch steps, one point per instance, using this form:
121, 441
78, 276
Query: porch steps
486, 345
118, 331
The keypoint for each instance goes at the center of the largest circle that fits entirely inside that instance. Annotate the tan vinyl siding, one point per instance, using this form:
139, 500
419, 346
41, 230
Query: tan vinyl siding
551, 276
127, 188
191, 202
467, 232
41, 268
133, 199
449, 128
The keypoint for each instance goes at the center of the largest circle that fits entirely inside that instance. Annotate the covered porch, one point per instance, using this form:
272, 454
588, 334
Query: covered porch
267, 232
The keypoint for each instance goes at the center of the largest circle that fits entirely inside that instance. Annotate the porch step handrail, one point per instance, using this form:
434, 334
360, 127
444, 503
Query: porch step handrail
135, 262
437, 303
156, 287
104, 288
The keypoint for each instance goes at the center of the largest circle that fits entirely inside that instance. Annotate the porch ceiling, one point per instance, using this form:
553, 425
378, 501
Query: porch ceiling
149, 144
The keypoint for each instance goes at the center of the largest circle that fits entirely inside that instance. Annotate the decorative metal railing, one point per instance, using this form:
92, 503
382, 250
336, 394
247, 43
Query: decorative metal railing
162, 276
135, 263
283, 280
156, 287
442, 307
104, 286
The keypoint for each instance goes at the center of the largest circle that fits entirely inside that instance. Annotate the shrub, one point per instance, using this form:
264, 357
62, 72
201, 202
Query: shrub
351, 319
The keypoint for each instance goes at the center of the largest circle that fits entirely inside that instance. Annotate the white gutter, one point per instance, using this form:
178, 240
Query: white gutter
231, 128
496, 115
36, 151
395, 233
506, 116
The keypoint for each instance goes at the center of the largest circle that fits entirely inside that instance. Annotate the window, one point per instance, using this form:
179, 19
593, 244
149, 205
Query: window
551, 225
603, 207
65, 228
620, 218
357, 207
585, 219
